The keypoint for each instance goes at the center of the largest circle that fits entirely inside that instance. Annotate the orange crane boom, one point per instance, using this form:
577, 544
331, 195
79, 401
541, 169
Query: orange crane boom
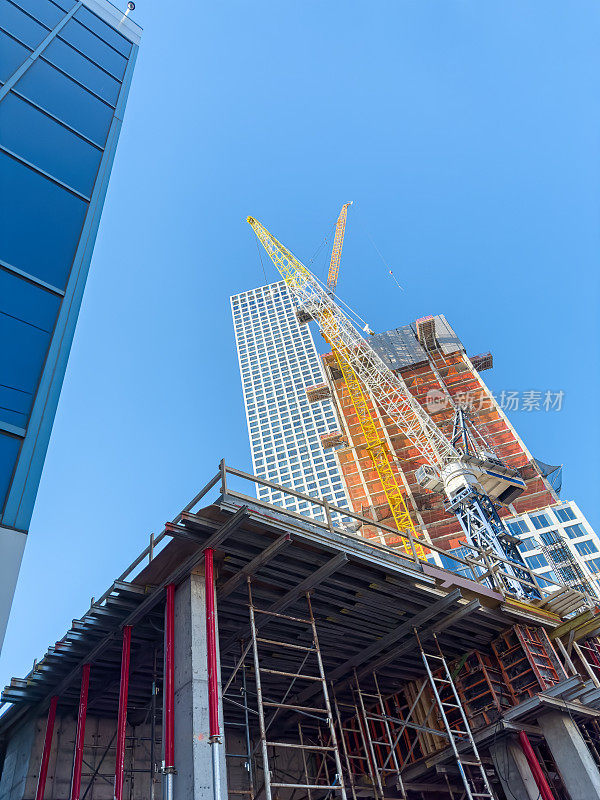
336, 252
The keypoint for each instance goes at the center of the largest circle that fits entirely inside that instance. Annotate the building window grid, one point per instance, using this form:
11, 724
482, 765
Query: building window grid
569, 519
250, 337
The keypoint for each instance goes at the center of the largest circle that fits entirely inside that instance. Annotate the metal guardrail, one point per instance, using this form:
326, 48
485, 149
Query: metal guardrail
481, 566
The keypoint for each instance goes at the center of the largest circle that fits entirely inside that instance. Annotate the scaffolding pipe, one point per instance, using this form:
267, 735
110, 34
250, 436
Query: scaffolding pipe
211, 657
534, 765
247, 733
122, 715
169, 698
80, 737
153, 728
41, 786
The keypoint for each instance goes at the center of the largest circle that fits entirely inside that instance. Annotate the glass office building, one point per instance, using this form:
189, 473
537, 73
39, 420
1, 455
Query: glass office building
545, 534
278, 361
539, 532
65, 72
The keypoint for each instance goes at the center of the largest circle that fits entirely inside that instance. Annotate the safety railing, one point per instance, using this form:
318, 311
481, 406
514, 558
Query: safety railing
484, 568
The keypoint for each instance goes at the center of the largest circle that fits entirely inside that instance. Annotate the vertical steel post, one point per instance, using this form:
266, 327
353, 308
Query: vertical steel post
41, 786
307, 778
211, 657
169, 698
534, 765
332, 736
223, 473
364, 723
122, 715
344, 744
247, 730
261, 712
80, 737
153, 727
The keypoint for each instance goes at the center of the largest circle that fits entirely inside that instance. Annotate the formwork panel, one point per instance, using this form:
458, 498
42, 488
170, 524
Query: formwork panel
528, 661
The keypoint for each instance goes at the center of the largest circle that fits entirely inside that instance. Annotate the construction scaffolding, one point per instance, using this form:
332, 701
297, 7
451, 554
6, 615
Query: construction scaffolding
251, 652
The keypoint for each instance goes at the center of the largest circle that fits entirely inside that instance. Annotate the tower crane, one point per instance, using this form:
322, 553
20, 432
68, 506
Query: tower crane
473, 482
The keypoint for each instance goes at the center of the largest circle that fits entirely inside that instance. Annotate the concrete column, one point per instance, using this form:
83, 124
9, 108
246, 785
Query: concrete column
574, 761
193, 757
21, 758
12, 545
512, 769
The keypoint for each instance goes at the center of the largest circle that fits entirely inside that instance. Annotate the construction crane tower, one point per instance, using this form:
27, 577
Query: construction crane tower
473, 482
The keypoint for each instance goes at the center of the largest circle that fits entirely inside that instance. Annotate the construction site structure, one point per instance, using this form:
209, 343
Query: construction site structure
442, 381
473, 480
298, 437
252, 652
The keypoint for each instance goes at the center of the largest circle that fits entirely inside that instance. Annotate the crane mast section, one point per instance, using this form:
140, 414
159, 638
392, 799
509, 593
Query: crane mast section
336, 252
386, 389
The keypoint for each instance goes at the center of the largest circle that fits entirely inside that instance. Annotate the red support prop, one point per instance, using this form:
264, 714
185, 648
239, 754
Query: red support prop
211, 644
122, 718
170, 679
41, 786
79, 739
534, 765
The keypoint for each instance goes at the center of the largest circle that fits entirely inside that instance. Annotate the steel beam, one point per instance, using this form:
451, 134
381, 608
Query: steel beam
122, 716
169, 697
41, 786
405, 629
406, 647
310, 582
252, 568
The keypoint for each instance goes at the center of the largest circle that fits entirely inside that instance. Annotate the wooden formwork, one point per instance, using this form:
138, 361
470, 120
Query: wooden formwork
483, 689
527, 661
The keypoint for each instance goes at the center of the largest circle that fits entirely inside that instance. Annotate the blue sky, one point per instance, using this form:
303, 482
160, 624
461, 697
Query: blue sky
467, 135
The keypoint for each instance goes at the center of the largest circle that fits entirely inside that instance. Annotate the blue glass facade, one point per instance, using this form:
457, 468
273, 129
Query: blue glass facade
65, 71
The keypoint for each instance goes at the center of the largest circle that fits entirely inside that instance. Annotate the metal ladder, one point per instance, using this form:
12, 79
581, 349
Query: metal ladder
337, 784
387, 764
247, 756
472, 759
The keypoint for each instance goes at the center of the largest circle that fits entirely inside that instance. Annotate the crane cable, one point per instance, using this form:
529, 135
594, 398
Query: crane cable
377, 250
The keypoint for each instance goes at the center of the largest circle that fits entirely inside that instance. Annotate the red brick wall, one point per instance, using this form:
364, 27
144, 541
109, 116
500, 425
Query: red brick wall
457, 378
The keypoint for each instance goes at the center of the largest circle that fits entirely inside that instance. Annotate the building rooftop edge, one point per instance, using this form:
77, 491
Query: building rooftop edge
117, 19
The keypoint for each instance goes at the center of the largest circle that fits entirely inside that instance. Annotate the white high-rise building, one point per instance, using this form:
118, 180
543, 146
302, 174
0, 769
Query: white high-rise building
278, 361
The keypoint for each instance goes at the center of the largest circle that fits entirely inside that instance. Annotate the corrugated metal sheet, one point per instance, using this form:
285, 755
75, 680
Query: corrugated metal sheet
400, 348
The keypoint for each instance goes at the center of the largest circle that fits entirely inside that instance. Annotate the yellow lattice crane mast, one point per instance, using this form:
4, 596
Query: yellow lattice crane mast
375, 445
336, 252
